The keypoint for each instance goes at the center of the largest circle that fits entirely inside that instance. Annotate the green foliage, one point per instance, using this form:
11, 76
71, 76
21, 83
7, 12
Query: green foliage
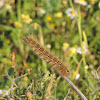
23, 72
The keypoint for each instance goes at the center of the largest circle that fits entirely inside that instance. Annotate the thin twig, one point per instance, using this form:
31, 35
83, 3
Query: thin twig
20, 76
95, 71
67, 94
93, 78
98, 68
74, 87
30, 86
12, 80
80, 63
94, 91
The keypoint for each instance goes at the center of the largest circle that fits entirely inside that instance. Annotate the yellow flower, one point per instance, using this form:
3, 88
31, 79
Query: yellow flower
7, 41
92, 1
26, 18
75, 46
58, 14
95, 74
0, 50
73, 50
5, 59
26, 65
25, 78
4, 93
8, 6
52, 25
71, 13
84, 44
79, 50
41, 11
9, 62
66, 45
74, 74
18, 24
35, 25
48, 18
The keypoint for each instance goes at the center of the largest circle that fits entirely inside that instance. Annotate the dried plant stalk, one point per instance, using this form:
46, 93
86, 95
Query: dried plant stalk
53, 61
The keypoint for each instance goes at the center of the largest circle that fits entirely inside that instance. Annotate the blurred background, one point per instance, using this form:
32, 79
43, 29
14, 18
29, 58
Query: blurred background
70, 29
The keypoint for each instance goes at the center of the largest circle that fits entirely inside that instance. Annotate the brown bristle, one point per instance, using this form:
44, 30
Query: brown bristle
53, 61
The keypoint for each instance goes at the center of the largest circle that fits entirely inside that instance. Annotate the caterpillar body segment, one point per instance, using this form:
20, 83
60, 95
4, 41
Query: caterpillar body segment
53, 61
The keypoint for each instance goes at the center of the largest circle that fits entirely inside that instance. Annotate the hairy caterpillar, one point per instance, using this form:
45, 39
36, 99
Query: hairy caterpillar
53, 61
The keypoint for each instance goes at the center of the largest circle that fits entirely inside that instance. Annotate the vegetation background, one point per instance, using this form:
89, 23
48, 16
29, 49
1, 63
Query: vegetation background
74, 37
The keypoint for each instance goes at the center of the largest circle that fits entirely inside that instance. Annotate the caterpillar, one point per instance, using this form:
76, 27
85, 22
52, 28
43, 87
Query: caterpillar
52, 60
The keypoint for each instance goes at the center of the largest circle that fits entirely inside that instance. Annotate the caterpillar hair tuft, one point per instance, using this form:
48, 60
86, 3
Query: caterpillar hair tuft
53, 61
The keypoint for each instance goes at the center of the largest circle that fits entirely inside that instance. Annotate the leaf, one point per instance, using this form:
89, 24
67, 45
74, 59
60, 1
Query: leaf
6, 27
